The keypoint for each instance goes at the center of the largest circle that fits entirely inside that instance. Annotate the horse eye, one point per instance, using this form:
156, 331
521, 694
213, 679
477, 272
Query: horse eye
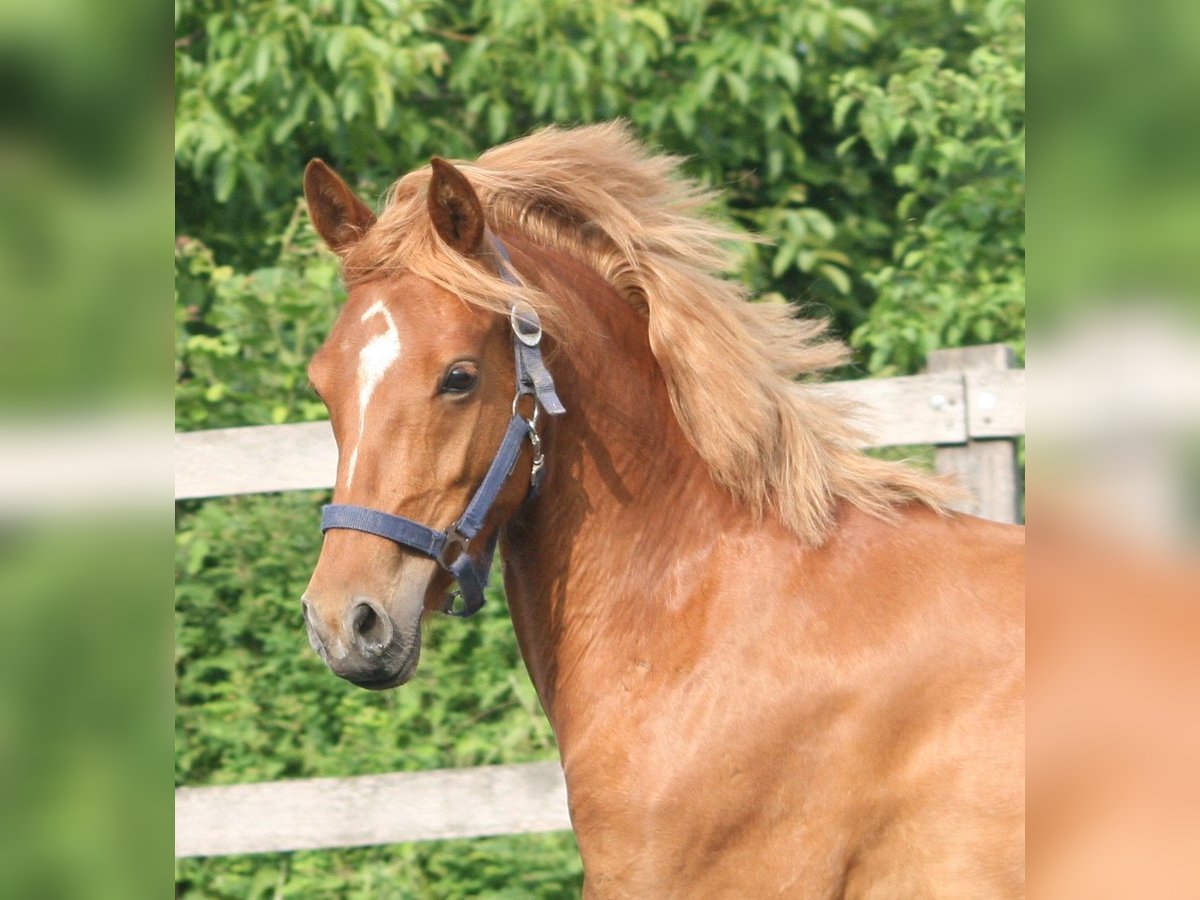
459, 380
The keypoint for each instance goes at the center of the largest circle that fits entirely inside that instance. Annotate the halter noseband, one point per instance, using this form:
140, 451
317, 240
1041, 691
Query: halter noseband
451, 548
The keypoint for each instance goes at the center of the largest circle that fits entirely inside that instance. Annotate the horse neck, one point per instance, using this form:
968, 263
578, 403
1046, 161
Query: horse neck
597, 563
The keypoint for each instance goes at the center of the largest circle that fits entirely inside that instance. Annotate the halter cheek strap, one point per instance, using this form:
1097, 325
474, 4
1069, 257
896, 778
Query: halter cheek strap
451, 548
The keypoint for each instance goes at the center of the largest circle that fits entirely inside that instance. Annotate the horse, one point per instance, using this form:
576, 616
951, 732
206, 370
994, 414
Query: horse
774, 665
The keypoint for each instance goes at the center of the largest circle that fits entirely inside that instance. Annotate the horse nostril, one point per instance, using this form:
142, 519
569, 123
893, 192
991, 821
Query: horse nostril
365, 619
370, 624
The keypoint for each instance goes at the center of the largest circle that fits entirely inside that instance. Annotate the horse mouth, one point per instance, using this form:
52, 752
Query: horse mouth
384, 676
382, 684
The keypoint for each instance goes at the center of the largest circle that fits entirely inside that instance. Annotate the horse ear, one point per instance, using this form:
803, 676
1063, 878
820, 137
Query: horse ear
337, 215
454, 207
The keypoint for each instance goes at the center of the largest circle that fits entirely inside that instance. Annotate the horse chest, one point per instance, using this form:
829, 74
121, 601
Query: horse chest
665, 825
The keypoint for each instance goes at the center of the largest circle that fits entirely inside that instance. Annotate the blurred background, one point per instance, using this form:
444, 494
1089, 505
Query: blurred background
85, 444
1114, 454
880, 146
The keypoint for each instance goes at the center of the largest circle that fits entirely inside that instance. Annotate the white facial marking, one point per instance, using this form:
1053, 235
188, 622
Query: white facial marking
377, 356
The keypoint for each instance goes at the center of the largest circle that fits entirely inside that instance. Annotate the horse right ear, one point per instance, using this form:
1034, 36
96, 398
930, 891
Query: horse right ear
339, 217
454, 207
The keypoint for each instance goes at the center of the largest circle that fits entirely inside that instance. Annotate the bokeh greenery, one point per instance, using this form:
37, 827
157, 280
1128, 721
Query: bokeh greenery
879, 145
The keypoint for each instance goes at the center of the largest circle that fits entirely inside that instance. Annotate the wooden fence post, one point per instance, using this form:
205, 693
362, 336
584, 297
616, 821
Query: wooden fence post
985, 467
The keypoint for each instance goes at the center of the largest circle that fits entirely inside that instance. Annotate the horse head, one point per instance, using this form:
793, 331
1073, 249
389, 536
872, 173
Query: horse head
419, 387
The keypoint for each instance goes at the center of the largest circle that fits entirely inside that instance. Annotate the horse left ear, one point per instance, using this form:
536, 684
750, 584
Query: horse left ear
338, 216
454, 207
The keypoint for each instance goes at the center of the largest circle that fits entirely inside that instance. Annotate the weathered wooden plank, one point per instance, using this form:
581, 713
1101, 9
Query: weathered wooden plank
252, 460
318, 813
986, 468
995, 403
917, 409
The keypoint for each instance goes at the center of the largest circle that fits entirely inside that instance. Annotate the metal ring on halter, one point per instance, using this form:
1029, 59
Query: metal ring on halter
454, 541
525, 324
537, 409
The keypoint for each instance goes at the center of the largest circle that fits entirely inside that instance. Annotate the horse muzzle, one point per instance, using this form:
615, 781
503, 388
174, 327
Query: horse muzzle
365, 646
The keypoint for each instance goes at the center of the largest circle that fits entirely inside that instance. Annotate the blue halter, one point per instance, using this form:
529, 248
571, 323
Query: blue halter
451, 548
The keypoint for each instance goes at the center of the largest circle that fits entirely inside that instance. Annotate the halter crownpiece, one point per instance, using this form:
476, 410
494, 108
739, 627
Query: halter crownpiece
451, 548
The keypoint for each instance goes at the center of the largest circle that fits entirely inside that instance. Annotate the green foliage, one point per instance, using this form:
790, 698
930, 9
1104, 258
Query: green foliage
530, 867
954, 139
254, 703
257, 704
878, 144
880, 147
242, 341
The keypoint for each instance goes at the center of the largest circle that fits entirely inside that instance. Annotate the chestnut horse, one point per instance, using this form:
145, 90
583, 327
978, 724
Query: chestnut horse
774, 666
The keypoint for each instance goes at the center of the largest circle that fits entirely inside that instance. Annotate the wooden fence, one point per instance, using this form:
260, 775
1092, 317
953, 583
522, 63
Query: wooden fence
970, 405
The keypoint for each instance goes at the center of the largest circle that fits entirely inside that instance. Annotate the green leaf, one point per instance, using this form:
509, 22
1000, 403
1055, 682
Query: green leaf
857, 20
905, 174
497, 121
262, 61
787, 67
684, 117
873, 132
352, 103
384, 100
299, 109
774, 162
706, 83
839, 279
738, 87
653, 21
337, 48
225, 175
783, 259
841, 108
817, 23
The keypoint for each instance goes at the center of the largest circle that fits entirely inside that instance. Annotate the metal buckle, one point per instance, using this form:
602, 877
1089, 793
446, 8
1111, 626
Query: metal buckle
455, 540
525, 324
539, 458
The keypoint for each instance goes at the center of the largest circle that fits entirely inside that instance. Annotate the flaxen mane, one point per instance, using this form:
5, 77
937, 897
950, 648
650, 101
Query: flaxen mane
729, 364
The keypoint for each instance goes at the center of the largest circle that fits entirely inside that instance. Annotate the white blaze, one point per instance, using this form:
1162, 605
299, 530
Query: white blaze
377, 356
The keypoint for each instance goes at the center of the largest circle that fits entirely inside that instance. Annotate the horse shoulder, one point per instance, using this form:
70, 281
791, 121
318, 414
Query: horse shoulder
833, 718
949, 592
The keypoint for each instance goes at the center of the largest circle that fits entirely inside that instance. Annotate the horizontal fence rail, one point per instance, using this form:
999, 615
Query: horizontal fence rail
917, 409
971, 406
319, 813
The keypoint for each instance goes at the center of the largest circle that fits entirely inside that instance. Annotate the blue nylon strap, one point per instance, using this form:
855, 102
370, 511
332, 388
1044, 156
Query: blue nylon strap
507, 272
471, 574
472, 578
534, 378
395, 528
532, 375
497, 475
